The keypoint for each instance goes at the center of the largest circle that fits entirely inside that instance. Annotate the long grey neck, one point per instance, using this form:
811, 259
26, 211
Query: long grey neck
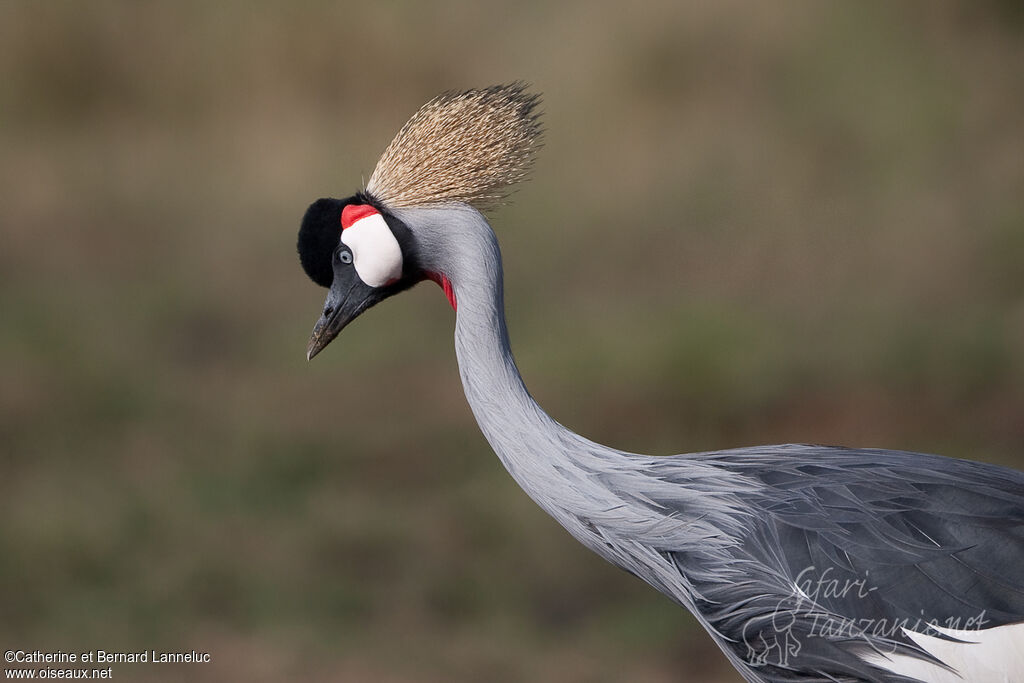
457, 241
603, 497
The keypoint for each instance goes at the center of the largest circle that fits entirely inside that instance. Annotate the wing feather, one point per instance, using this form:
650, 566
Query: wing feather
849, 548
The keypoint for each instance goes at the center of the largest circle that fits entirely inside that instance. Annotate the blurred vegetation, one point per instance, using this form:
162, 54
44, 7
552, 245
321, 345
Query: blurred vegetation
751, 223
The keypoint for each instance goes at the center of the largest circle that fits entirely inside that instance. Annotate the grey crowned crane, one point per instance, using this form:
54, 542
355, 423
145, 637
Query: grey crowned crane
803, 563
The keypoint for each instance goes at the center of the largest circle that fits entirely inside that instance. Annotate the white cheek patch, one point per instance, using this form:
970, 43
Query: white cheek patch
375, 252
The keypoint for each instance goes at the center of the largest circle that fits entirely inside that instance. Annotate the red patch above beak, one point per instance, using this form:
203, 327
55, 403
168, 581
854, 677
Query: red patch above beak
353, 213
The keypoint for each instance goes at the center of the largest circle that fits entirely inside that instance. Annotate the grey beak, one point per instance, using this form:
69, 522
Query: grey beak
348, 297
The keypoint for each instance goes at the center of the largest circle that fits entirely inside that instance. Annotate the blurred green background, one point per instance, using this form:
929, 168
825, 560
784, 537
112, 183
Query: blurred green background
751, 223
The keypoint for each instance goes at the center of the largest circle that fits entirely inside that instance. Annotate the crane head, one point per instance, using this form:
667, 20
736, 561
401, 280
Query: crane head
466, 147
361, 253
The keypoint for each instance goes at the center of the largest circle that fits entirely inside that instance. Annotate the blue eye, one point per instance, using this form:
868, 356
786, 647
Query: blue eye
345, 256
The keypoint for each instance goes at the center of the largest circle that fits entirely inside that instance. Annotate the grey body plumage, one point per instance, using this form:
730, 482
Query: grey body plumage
804, 563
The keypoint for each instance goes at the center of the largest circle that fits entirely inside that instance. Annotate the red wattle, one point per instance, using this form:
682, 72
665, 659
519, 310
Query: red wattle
446, 285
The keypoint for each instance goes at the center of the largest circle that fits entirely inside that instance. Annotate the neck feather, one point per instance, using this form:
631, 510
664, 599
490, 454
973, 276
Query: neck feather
457, 242
603, 497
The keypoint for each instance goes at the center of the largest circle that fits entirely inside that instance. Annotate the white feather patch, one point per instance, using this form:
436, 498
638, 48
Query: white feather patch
375, 252
992, 655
